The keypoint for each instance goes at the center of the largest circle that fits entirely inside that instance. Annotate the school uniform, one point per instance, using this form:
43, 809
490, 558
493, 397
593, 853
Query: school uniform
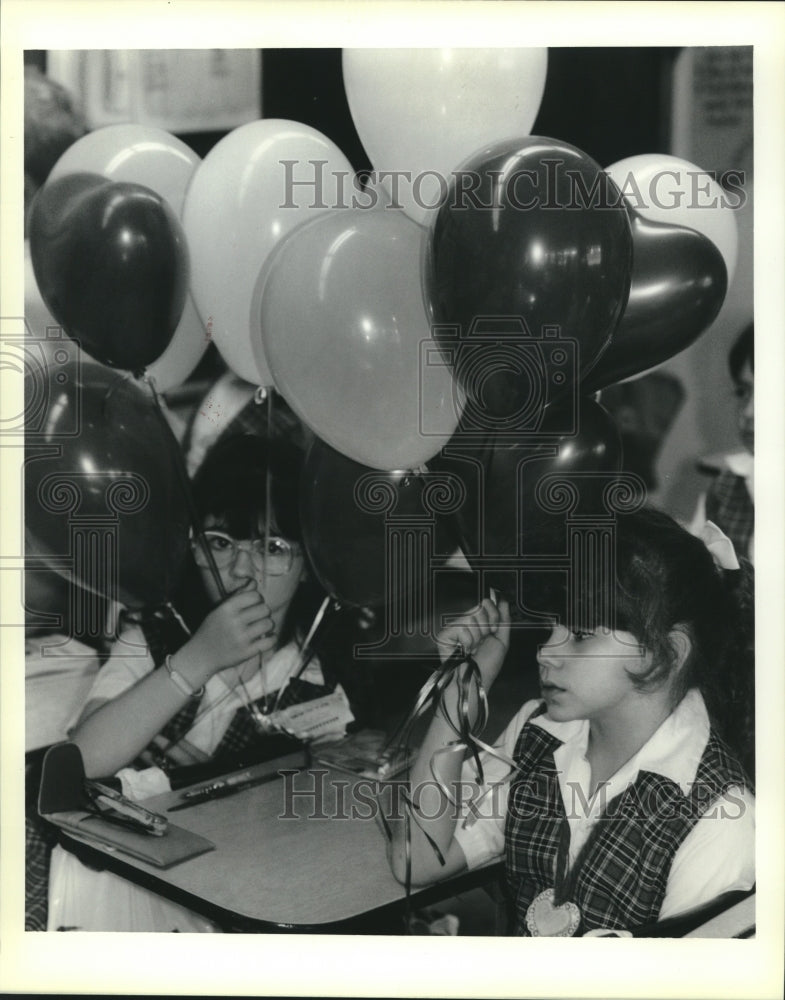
671, 830
81, 898
730, 504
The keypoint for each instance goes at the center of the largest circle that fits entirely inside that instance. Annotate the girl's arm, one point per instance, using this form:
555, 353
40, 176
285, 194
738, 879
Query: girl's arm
484, 634
118, 730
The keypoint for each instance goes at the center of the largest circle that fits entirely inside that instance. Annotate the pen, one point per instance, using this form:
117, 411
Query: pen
215, 786
220, 790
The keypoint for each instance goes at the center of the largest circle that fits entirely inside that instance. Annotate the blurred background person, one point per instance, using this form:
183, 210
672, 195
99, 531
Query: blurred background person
730, 500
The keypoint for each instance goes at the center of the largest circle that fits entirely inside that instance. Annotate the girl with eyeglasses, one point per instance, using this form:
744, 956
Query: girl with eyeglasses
197, 681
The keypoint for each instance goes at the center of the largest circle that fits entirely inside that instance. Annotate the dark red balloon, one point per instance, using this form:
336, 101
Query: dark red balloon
502, 515
111, 262
528, 270
679, 281
102, 497
372, 536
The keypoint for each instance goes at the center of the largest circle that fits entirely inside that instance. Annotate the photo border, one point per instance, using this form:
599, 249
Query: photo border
340, 966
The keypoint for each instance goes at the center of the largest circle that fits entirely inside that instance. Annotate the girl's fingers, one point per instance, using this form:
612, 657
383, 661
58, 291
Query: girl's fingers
243, 598
472, 628
492, 612
266, 642
260, 628
251, 617
466, 636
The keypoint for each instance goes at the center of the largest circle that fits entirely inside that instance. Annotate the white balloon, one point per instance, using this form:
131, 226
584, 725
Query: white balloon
668, 189
256, 185
184, 351
425, 111
140, 154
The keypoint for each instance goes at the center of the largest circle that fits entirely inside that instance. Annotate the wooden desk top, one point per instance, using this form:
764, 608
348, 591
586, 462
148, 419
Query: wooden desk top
305, 850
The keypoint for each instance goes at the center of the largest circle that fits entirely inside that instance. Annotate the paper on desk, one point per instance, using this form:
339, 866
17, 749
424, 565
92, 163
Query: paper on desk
323, 718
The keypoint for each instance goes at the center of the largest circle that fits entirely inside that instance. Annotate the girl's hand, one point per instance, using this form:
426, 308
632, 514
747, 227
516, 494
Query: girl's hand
240, 627
484, 633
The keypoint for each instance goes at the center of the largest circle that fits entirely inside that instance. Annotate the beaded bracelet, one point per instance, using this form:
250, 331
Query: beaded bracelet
180, 682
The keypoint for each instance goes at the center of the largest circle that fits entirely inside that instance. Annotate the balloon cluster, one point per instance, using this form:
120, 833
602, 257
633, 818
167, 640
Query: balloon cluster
462, 327
110, 264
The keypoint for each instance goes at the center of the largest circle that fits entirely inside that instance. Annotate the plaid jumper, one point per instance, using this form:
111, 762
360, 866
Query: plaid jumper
729, 505
623, 871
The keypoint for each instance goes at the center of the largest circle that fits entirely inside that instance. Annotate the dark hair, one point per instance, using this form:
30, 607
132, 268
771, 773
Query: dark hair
663, 578
231, 486
743, 350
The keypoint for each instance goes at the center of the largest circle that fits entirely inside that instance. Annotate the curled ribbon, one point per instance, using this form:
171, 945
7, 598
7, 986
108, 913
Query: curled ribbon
464, 669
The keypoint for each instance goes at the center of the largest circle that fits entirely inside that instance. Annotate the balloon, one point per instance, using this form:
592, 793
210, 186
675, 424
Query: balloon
54, 603
184, 352
529, 288
40, 322
678, 287
501, 515
100, 461
252, 188
171, 369
46, 596
406, 630
111, 262
347, 338
150, 156
671, 190
359, 524
140, 154
424, 111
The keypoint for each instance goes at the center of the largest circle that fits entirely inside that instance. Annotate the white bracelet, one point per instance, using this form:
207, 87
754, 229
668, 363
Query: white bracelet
180, 682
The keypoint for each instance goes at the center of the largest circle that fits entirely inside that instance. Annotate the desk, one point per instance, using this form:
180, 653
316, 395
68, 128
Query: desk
300, 853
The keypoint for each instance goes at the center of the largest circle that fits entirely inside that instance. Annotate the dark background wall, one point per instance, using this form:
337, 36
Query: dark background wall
609, 102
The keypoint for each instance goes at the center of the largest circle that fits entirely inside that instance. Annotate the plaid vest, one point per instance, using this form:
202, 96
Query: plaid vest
624, 870
729, 505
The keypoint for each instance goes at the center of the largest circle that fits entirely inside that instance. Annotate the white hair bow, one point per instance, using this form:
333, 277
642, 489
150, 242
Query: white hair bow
720, 546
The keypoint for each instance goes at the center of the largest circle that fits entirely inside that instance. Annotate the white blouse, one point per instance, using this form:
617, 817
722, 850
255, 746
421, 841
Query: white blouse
718, 855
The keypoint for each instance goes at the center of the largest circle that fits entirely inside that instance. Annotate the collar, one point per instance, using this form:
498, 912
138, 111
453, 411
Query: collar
673, 751
741, 463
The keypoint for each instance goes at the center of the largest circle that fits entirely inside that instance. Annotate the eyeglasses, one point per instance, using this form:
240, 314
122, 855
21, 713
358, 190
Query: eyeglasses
275, 555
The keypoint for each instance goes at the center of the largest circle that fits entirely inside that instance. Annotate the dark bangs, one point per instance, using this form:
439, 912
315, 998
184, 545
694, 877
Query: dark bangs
230, 486
644, 574
651, 577
590, 593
